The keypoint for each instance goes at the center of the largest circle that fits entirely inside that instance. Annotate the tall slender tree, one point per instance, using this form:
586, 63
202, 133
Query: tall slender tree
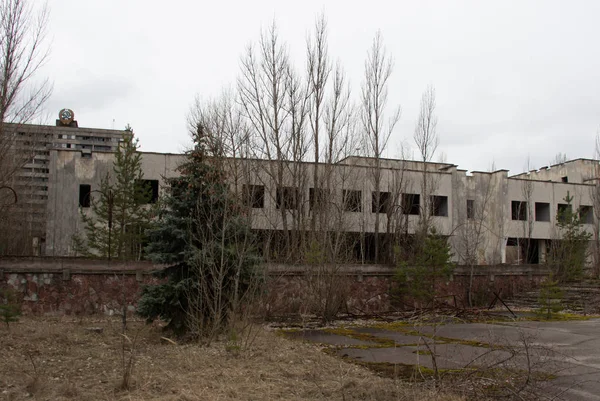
377, 131
120, 214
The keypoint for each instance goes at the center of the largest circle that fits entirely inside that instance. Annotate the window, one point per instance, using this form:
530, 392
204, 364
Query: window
411, 204
381, 204
148, 190
287, 198
565, 179
470, 209
84, 195
317, 198
439, 205
542, 211
253, 196
519, 210
563, 212
352, 200
586, 214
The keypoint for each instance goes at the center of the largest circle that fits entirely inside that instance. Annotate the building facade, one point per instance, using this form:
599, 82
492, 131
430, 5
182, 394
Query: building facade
489, 217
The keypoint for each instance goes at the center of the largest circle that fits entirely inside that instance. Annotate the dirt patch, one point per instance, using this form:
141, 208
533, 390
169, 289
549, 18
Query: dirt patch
44, 359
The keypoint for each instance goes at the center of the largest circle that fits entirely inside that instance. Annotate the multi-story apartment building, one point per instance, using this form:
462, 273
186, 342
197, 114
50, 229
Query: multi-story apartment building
489, 217
33, 145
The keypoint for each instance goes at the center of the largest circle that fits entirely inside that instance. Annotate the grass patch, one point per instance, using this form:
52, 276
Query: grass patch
57, 359
559, 317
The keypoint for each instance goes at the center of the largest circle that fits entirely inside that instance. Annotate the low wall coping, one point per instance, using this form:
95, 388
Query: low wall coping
51, 265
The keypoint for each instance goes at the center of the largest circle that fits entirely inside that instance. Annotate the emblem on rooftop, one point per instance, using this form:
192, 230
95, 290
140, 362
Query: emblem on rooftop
66, 116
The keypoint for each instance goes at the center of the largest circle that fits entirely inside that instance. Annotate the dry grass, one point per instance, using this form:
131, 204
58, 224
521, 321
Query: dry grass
45, 359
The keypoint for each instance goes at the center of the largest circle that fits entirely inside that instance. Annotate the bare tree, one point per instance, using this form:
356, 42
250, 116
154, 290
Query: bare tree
427, 141
377, 131
559, 158
269, 96
472, 233
23, 52
528, 210
318, 71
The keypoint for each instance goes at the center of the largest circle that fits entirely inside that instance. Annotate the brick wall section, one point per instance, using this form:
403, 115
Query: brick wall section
46, 289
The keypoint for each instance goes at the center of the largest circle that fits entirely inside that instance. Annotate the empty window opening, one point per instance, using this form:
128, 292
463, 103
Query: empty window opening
564, 211
542, 211
253, 196
352, 200
84, 195
287, 198
522, 250
147, 190
411, 204
439, 206
565, 179
519, 210
586, 214
317, 198
381, 204
470, 209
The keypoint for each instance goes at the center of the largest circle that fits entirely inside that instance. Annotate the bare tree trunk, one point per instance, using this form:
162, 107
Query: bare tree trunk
318, 70
374, 93
23, 52
427, 141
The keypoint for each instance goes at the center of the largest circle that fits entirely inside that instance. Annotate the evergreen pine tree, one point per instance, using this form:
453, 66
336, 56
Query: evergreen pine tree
550, 297
569, 254
430, 264
203, 235
120, 215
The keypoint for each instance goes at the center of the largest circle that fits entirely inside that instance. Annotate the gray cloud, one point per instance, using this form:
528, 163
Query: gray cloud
513, 78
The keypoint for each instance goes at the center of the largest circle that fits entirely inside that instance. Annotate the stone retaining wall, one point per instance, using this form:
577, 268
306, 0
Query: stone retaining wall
80, 286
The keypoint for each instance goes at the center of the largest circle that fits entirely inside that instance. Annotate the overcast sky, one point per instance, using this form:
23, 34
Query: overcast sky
514, 79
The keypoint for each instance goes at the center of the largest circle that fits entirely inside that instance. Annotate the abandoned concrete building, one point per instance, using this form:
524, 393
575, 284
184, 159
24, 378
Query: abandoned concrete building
488, 216
31, 180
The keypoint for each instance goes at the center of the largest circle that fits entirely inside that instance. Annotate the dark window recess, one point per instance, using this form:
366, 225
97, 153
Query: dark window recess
381, 204
563, 212
542, 211
317, 198
519, 210
565, 179
253, 196
287, 198
586, 214
352, 201
439, 205
470, 209
84, 195
512, 242
147, 190
411, 204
